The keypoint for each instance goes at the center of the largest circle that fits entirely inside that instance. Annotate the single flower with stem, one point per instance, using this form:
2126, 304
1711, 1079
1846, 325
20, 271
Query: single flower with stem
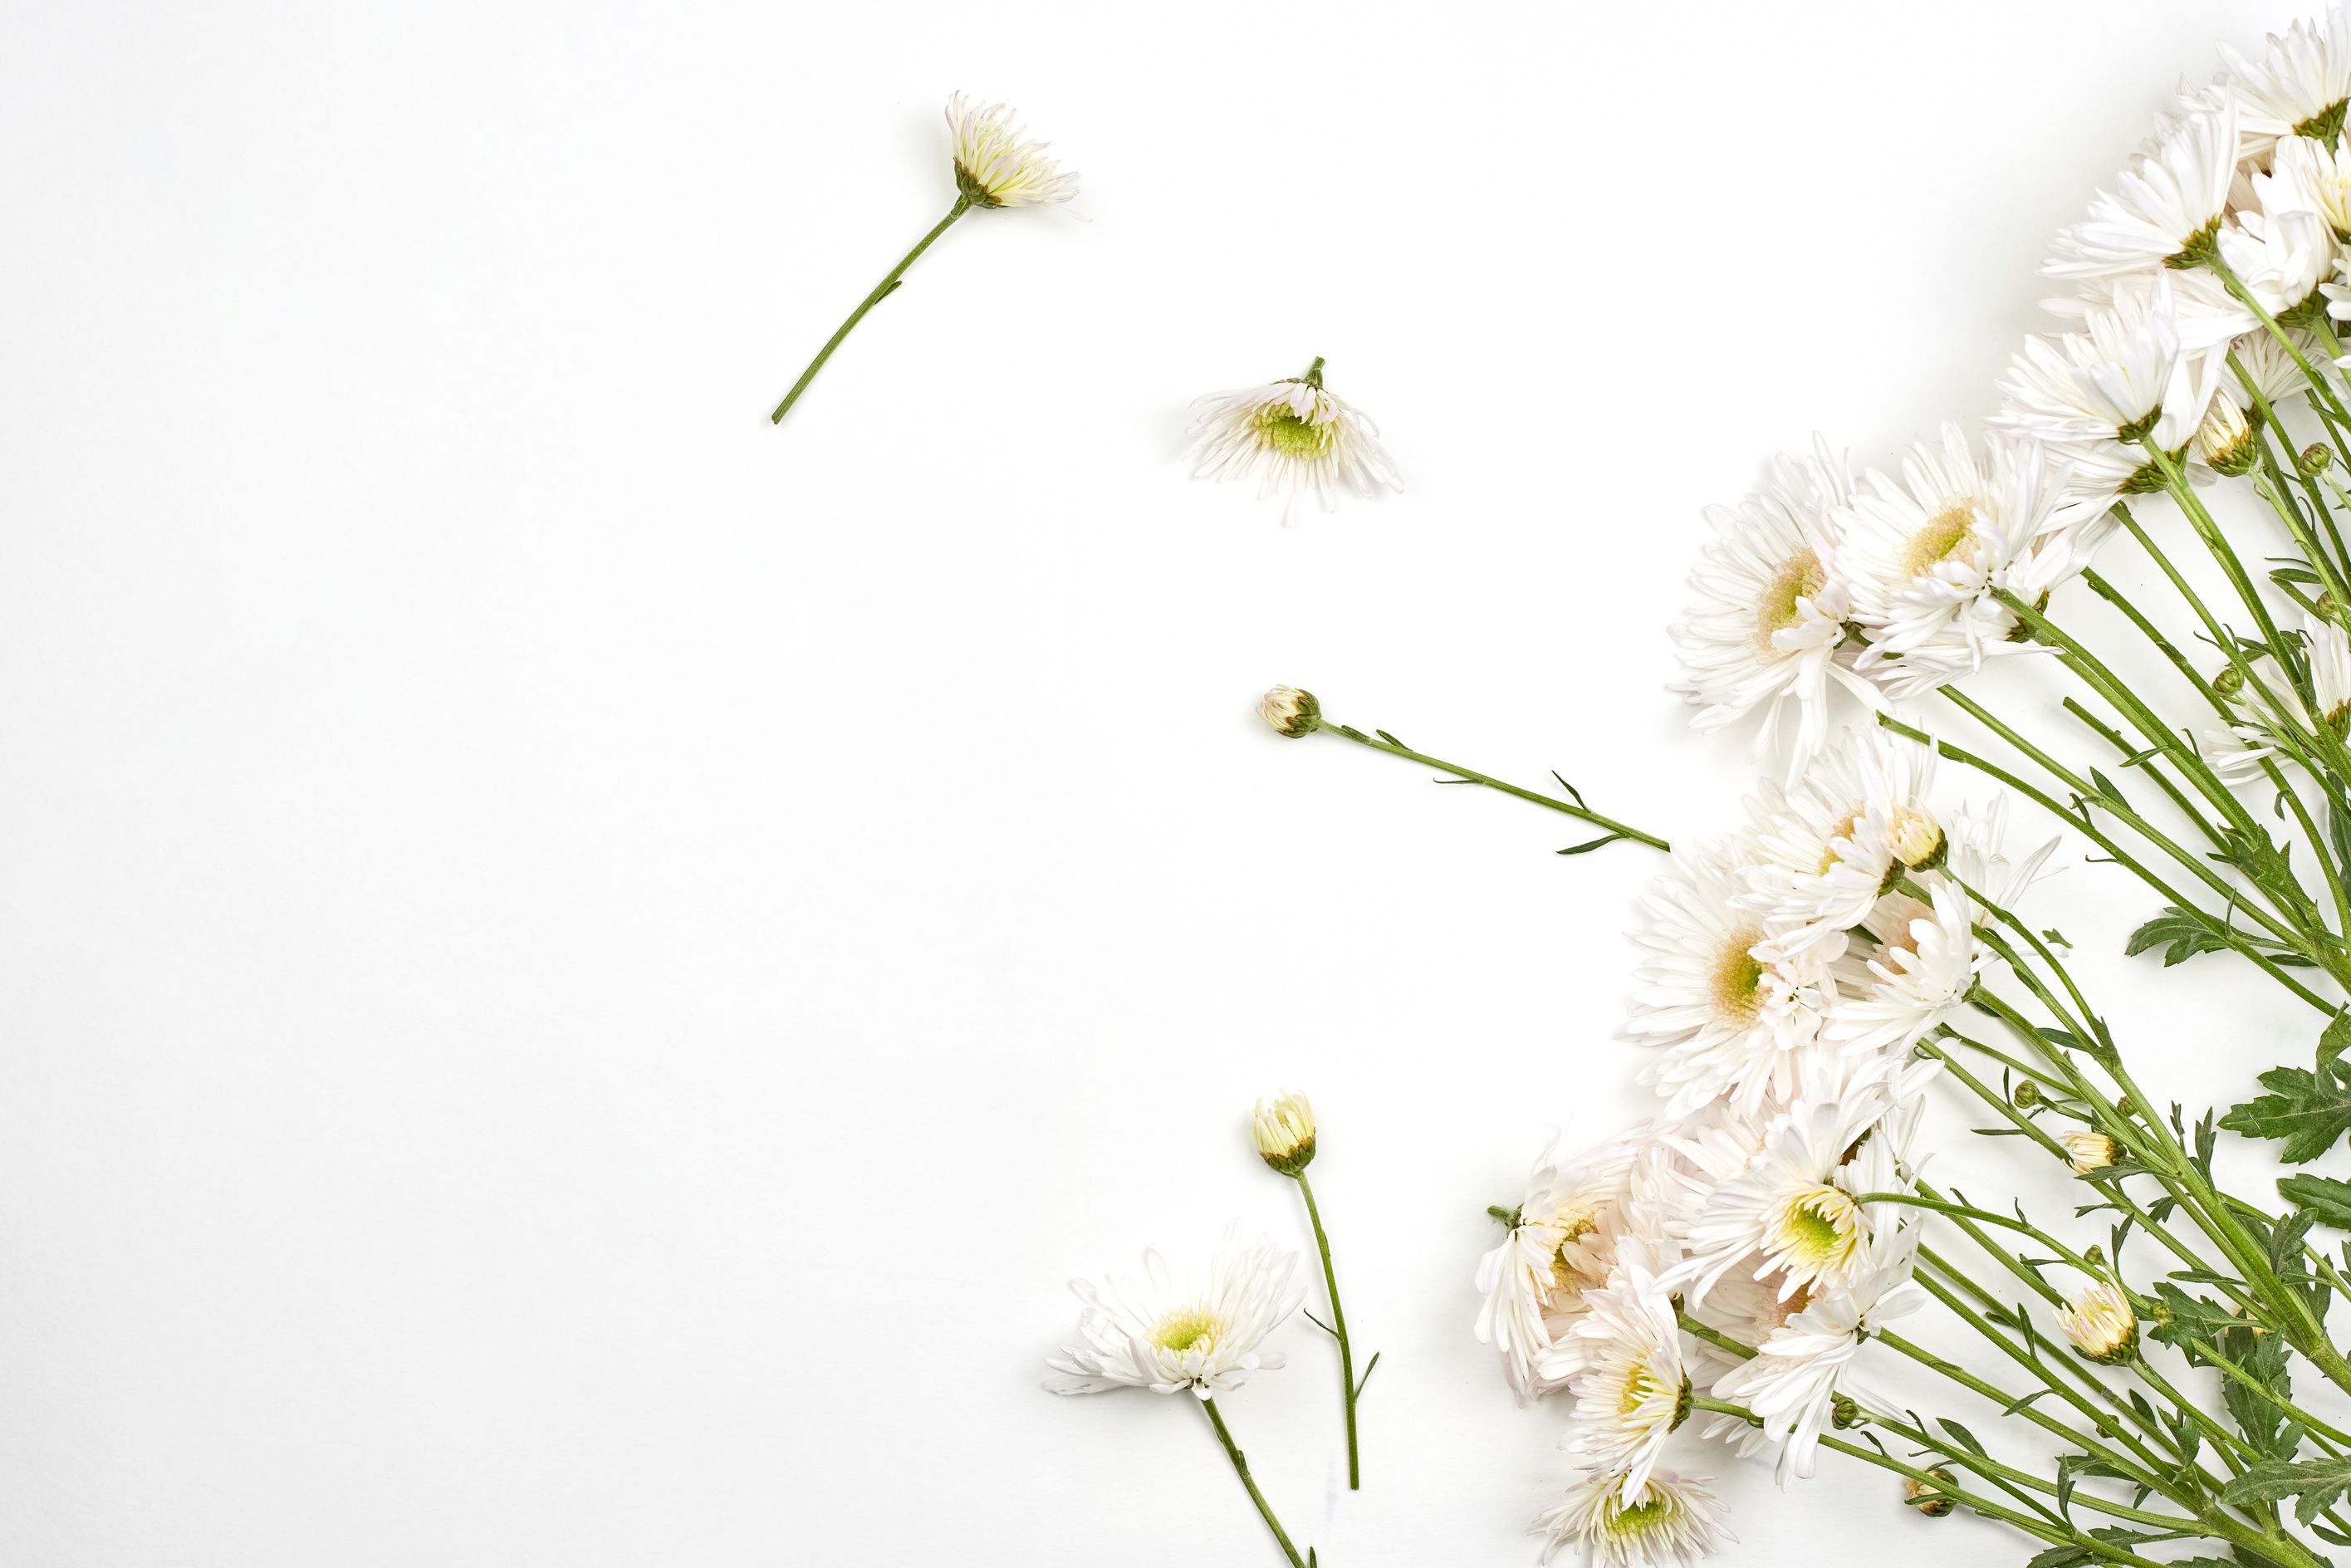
1284, 1130
994, 167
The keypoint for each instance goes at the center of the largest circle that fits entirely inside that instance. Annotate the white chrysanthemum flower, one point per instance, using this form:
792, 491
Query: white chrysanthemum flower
1925, 555
994, 166
1201, 1336
1793, 1381
2282, 247
1296, 437
1563, 1244
2319, 172
2167, 203
2238, 752
2272, 370
1924, 964
1769, 613
1825, 850
2118, 380
1789, 1208
2098, 1319
2300, 86
1729, 1024
1623, 1363
1666, 1523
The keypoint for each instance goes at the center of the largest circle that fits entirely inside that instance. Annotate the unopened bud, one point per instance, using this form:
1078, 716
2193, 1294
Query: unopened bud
2315, 458
2026, 1095
2088, 1151
2225, 440
1292, 712
1917, 840
1284, 1128
1930, 1497
1844, 1415
2228, 681
2101, 1323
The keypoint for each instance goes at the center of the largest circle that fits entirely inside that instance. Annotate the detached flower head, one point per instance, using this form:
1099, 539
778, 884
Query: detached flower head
2099, 1320
1664, 1522
994, 167
1284, 1127
1296, 437
1200, 1336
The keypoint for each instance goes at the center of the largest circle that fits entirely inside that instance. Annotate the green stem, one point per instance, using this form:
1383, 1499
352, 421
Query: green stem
881, 291
1240, 1468
1339, 1327
1472, 775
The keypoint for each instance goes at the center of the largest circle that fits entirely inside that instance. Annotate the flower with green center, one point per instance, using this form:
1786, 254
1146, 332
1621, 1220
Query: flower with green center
1630, 1386
1199, 1336
1296, 437
1664, 1522
1730, 1018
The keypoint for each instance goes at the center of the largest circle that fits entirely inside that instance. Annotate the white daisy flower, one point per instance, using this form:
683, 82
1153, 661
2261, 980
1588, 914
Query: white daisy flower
2118, 380
2238, 752
1200, 1337
1563, 1243
2167, 203
1925, 555
1925, 963
1729, 1024
2300, 86
1826, 848
994, 166
1665, 1522
1769, 613
1789, 1206
2281, 248
1794, 1379
1296, 437
1623, 1361
2273, 371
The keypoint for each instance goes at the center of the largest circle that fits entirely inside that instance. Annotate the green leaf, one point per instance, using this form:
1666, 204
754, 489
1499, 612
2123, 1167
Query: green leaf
2107, 787
1589, 845
1964, 1437
2183, 934
2324, 1198
2191, 1323
2310, 1111
2314, 1482
2262, 1356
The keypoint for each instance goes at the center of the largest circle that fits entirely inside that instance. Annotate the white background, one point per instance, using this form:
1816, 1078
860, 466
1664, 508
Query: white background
580, 970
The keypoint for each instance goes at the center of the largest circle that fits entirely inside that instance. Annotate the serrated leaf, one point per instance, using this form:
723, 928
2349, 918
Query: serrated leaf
2313, 1483
2190, 1324
2310, 1111
2324, 1198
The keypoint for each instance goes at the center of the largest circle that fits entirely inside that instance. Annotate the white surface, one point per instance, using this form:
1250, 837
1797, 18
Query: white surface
580, 970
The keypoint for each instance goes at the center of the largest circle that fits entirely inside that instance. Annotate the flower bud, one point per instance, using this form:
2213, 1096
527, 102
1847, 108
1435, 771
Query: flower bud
2228, 681
1844, 1415
1929, 1497
1292, 712
1917, 839
2315, 458
2225, 440
2101, 1323
2026, 1095
2088, 1151
1285, 1132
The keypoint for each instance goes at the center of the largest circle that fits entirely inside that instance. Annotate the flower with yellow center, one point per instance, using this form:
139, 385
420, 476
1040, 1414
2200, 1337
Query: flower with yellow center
1665, 1522
1791, 1212
1296, 437
1631, 1389
2101, 1323
1199, 1336
1766, 627
1562, 1242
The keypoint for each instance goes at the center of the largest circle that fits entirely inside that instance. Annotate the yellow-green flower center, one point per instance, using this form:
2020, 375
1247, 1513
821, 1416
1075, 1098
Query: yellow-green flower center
1184, 1328
1799, 577
1820, 1227
1737, 983
1640, 1518
1641, 1388
1844, 830
1940, 539
1286, 432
